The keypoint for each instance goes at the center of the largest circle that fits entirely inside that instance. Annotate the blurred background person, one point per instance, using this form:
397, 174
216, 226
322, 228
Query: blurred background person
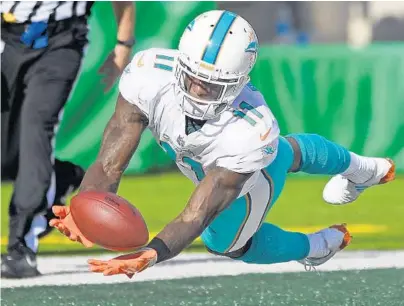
357, 23
42, 46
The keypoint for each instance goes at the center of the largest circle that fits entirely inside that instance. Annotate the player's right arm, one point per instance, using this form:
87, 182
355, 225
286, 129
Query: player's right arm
138, 87
121, 138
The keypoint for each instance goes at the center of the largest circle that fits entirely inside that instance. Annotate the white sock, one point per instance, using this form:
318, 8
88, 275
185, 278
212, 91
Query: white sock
318, 246
360, 169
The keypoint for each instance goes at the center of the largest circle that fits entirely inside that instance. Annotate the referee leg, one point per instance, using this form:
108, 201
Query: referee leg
48, 84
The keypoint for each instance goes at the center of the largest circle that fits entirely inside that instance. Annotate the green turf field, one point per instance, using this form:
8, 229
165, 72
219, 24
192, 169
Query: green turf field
352, 288
375, 219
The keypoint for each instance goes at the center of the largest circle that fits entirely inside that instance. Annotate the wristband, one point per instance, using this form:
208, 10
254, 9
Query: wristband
162, 250
127, 43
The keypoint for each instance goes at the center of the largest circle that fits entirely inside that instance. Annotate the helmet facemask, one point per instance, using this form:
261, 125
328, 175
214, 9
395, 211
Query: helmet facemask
217, 93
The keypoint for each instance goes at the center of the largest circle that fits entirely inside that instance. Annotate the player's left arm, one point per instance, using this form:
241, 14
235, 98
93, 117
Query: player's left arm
217, 190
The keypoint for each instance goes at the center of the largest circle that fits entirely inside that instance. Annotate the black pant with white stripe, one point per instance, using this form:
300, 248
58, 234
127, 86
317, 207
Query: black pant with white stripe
35, 86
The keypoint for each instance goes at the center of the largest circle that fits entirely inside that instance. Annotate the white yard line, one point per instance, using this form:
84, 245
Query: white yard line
73, 270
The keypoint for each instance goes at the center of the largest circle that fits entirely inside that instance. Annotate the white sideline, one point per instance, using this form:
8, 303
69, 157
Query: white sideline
72, 270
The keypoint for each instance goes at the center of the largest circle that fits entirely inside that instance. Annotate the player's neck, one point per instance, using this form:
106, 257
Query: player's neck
193, 125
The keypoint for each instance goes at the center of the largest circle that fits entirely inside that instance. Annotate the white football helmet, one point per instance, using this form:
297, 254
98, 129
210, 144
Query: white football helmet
217, 50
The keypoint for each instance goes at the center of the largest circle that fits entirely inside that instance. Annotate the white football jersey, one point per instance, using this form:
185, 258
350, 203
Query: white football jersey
243, 139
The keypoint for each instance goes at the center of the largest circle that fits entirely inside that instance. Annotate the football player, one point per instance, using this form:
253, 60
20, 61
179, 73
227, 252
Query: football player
203, 111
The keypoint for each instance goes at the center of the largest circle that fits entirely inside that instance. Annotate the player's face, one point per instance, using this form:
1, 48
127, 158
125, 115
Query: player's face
202, 90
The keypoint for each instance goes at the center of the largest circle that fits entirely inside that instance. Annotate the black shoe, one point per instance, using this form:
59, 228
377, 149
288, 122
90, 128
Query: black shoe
20, 262
68, 179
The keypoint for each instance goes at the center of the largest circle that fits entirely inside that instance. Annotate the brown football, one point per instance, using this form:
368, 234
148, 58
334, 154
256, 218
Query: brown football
109, 221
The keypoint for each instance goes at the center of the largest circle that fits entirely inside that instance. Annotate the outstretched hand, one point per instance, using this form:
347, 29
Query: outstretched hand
65, 224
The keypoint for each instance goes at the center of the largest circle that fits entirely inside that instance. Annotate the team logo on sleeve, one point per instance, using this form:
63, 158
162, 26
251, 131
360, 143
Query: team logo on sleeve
268, 150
